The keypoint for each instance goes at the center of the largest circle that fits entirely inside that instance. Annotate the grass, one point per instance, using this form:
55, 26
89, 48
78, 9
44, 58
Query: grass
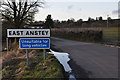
111, 34
37, 69
50, 68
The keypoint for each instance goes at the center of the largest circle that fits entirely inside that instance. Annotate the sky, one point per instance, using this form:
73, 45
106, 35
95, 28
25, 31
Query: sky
78, 9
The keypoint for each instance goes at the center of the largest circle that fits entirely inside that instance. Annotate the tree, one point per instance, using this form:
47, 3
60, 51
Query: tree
49, 22
109, 18
57, 24
97, 18
72, 20
100, 18
90, 20
20, 12
79, 22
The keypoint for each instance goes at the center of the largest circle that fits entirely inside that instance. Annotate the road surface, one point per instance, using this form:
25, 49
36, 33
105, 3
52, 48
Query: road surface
90, 60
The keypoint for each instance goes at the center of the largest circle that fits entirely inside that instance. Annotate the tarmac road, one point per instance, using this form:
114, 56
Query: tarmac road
89, 60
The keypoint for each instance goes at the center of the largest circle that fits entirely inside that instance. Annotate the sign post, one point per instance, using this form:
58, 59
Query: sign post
27, 57
44, 52
10, 43
31, 39
7, 44
34, 43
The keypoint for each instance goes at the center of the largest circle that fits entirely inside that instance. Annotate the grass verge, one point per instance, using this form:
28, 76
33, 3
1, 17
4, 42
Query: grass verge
16, 68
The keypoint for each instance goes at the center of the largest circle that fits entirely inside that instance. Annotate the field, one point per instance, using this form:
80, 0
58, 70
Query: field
111, 34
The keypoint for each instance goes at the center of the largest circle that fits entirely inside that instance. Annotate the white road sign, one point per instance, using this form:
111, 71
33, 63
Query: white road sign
28, 32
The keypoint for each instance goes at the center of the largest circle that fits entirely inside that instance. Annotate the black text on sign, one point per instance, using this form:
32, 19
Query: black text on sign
28, 32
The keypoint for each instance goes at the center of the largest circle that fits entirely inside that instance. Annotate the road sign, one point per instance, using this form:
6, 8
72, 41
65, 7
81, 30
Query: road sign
28, 32
34, 43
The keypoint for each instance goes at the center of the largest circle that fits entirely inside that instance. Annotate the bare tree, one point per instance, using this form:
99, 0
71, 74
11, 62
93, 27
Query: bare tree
49, 22
19, 12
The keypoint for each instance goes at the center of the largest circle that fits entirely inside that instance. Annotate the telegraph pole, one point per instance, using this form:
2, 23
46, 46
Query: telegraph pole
107, 20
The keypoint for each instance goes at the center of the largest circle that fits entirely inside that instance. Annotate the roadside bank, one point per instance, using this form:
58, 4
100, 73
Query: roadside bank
64, 59
14, 66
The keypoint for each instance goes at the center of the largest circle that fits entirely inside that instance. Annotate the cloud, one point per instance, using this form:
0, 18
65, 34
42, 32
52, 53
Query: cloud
115, 12
70, 7
82, 0
80, 9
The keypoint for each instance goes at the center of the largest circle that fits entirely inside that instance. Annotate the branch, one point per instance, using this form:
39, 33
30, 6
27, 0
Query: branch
20, 7
8, 18
8, 5
27, 10
24, 9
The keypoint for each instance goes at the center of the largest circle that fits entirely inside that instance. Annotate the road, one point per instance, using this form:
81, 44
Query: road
89, 60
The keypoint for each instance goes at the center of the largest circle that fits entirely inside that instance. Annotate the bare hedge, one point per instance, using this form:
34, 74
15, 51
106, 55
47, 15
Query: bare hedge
81, 34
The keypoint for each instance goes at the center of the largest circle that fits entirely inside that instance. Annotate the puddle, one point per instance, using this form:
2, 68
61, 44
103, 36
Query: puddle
63, 58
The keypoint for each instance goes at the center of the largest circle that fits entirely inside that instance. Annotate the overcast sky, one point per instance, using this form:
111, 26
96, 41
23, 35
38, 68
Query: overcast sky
78, 9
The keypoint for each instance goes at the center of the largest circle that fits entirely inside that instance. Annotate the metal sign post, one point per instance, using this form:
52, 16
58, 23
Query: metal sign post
10, 43
31, 39
27, 57
34, 43
7, 44
44, 53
